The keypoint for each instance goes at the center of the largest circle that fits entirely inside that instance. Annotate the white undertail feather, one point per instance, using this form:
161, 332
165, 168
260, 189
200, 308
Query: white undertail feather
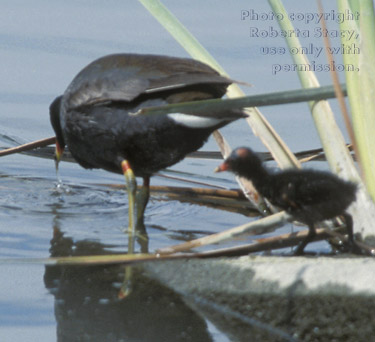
193, 121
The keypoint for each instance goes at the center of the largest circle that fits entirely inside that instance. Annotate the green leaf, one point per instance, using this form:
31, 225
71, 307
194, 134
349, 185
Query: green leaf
361, 84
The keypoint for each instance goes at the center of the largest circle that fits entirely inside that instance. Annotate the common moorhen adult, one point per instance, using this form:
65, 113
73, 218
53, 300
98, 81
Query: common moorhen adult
309, 196
95, 117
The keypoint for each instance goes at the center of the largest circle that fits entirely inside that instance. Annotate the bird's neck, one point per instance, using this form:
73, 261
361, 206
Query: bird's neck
258, 175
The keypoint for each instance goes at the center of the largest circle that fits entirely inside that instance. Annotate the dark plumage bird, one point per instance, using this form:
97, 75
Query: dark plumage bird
94, 117
310, 196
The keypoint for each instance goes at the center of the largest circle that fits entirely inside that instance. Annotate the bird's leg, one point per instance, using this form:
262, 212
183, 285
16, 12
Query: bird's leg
353, 247
349, 227
142, 197
310, 236
131, 186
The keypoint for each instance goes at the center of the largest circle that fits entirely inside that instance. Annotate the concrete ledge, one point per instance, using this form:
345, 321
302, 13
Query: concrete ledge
311, 299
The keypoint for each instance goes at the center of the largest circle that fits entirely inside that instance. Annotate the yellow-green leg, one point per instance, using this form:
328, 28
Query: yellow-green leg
131, 186
142, 200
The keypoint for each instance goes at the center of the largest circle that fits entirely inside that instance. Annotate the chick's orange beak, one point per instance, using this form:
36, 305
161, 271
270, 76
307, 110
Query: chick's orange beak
222, 167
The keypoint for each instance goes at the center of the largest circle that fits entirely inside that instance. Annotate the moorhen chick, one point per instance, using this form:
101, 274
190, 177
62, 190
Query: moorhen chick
309, 196
96, 117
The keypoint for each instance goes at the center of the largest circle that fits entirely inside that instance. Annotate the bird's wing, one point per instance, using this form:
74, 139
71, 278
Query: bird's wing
123, 77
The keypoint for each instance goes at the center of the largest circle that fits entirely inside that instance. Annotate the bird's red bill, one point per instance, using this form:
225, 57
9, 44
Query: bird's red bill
58, 151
